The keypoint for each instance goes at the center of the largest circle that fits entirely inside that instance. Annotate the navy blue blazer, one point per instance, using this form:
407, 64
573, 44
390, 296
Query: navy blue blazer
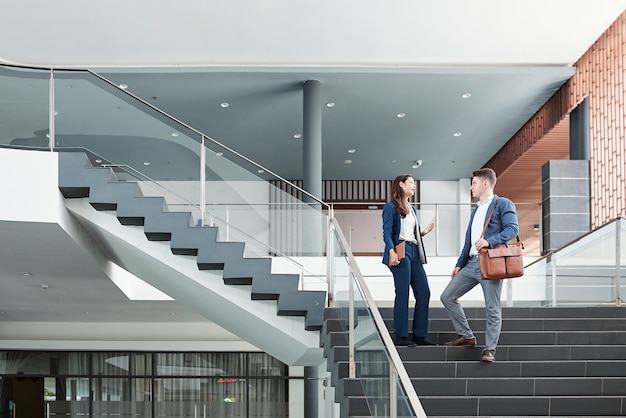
502, 228
391, 228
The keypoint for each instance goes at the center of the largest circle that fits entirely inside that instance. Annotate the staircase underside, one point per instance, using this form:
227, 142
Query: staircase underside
204, 292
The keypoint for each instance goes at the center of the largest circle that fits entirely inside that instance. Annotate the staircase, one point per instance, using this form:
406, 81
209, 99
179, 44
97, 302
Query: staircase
565, 361
102, 198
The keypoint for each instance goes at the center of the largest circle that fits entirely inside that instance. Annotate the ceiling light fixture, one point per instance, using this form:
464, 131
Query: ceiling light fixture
347, 161
224, 104
123, 86
175, 134
330, 104
417, 164
219, 154
457, 134
466, 95
297, 136
351, 151
146, 163
401, 115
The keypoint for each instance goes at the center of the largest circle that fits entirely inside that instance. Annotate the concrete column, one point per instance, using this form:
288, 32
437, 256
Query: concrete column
312, 134
311, 393
312, 221
565, 202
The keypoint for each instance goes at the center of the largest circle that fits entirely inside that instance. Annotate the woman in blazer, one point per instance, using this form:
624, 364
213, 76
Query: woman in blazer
400, 225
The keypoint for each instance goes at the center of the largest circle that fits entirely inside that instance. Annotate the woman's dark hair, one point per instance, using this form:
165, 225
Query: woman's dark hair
397, 195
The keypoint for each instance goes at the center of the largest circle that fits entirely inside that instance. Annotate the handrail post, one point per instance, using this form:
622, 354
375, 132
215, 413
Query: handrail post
51, 127
351, 362
202, 181
330, 254
393, 393
553, 263
437, 229
618, 261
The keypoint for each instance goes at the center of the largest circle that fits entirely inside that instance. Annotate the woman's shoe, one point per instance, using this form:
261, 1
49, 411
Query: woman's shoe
404, 342
423, 341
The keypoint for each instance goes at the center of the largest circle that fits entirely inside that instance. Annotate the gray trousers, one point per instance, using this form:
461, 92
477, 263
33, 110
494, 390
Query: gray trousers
464, 281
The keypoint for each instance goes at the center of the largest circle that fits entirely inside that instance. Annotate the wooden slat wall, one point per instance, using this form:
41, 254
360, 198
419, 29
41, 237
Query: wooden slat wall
599, 76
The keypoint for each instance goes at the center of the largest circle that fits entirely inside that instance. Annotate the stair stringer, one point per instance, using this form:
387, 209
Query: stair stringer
205, 292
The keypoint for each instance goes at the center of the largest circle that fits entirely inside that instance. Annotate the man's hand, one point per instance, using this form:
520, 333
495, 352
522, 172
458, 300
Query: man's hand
455, 271
481, 243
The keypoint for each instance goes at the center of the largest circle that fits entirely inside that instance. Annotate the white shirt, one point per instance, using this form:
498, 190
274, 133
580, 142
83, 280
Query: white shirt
478, 223
408, 226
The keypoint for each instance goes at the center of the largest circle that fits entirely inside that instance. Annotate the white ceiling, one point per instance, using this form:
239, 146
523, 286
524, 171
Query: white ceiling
374, 59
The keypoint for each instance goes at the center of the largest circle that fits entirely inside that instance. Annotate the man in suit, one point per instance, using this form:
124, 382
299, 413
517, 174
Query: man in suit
502, 227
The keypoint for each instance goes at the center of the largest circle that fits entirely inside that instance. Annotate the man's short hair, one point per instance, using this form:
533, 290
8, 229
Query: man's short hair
486, 173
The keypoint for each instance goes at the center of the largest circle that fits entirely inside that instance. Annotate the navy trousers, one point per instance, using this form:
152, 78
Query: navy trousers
410, 274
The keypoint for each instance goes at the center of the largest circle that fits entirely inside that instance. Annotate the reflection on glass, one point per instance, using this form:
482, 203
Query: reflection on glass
586, 272
24, 107
372, 361
122, 397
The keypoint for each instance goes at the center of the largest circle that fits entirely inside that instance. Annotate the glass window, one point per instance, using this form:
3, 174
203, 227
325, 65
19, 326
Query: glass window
122, 364
215, 397
262, 364
122, 397
268, 398
200, 364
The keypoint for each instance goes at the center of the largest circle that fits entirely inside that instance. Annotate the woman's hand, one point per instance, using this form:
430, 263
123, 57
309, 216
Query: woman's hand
428, 228
393, 258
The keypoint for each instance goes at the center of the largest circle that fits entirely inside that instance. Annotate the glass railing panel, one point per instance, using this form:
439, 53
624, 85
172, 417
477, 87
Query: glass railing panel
24, 104
373, 364
588, 271
194, 172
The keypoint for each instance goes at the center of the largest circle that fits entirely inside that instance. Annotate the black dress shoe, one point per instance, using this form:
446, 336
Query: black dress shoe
423, 341
404, 342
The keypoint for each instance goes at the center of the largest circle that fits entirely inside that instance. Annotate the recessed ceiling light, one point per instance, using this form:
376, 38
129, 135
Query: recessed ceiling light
44, 286
351, 151
401, 115
393, 161
98, 161
457, 134
466, 95
219, 154
123, 86
260, 171
347, 161
146, 163
297, 136
224, 104
26, 274
330, 104
175, 134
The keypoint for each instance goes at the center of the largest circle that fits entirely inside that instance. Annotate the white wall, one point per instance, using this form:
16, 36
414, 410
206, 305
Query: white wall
33, 193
